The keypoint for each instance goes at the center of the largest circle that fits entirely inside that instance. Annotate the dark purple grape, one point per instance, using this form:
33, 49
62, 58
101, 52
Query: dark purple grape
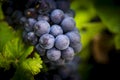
77, 47
46, 41
62, 42
56, 30
57, 16
29, 24
68, 24
68, 54
74, 37
53, 54
41, 27
40, 50
30, 38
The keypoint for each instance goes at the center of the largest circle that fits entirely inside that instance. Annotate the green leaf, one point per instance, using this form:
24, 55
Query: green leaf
15, 49
32, 65
89, 30
28, 68
15, 52
117, 41
6, 34
109, 14
84, 11
27, 52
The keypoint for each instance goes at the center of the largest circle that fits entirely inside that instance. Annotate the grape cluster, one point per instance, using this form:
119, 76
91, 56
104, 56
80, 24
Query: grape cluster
54, 36
49, 26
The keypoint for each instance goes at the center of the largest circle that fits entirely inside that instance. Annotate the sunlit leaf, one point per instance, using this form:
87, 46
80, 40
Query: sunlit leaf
33, 64
89, 30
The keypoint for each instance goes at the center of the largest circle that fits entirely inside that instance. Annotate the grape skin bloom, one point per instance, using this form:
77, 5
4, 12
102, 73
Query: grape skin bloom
56, 30
68, 54
62, 42
57, 16
68, 24
46, 41
41, 27
53, 54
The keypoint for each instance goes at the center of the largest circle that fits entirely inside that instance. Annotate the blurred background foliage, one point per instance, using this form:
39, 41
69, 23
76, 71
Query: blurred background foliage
99, 24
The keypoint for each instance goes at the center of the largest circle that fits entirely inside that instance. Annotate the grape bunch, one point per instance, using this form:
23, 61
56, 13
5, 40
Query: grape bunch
54, 36
57, 39
49, 26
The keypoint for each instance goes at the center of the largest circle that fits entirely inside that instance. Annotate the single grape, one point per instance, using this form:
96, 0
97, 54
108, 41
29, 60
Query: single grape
29, 24
30, 38
62, 42
68, 54
53, 54
77, 47
56, 30
68, 24
74, 37
40, 50
57, 16
46, 41
41, 27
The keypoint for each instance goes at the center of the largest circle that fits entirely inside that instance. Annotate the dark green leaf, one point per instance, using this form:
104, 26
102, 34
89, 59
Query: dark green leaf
109, 14
28, 68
